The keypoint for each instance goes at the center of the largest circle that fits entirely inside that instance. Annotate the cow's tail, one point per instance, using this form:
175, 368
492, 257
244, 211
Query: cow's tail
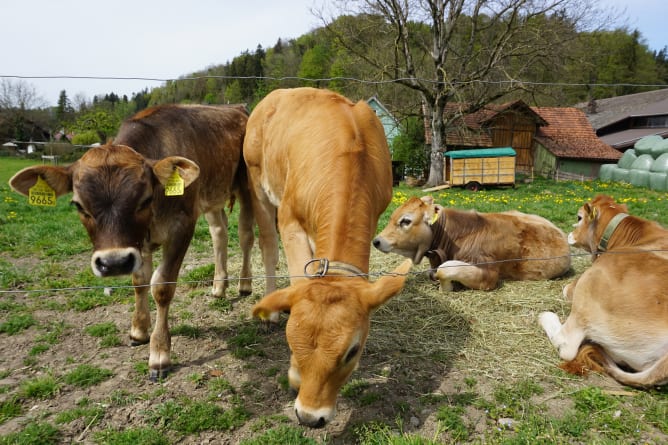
655, 375
592, 358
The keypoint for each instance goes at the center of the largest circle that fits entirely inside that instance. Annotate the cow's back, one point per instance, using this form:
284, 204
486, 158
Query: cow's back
511, 235
326, 159
211, 136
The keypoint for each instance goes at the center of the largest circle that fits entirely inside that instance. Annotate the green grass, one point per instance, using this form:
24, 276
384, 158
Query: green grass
537, 402
40, 387
84, 376
35, 433
188, 417
16, 323
281, 435
131, 436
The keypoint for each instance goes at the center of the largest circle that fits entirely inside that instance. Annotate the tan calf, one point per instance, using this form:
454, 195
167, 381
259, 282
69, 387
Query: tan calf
119, 192
475, 249
321, 165
620, 303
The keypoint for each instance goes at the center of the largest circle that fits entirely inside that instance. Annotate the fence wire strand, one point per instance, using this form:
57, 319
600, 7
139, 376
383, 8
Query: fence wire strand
198, 283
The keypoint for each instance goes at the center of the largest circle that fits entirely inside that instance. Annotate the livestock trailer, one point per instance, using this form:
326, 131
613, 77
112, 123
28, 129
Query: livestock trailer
481, 166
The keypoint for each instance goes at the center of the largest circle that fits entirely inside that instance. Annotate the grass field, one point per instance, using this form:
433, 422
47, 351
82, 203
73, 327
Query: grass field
459, 367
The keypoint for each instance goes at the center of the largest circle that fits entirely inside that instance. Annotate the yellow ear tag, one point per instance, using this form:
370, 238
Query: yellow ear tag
175, 185
433, 219
263, 314
41, 194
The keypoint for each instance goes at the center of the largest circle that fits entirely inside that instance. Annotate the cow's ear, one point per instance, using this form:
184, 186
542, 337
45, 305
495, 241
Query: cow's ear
58, 178
387, 286
427, 200
591, 211
271, 305
187, 169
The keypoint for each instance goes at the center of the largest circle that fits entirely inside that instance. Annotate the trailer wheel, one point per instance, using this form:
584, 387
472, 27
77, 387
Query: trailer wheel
473, 186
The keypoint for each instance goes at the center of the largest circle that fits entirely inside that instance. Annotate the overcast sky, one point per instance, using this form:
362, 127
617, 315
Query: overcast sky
165, 39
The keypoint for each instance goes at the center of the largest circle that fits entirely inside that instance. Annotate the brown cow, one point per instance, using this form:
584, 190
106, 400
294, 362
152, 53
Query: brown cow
620, 303
475, 249
323, 162
119, 192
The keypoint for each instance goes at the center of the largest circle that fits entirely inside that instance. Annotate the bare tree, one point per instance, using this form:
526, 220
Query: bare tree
19, 95
471, 52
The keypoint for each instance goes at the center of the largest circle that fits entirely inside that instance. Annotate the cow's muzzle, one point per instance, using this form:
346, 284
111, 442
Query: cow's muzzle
111, 262
381, 244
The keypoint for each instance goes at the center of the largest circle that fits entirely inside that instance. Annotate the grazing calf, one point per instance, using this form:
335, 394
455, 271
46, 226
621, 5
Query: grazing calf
323, 164
619, 312
119, 190
476, 249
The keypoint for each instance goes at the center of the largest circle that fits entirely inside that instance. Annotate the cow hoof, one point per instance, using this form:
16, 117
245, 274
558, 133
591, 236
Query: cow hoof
158, 374
134, 342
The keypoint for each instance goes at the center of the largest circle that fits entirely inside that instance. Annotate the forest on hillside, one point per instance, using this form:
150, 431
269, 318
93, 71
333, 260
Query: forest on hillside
585, 66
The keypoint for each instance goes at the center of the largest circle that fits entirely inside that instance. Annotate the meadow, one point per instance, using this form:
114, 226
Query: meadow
459, 367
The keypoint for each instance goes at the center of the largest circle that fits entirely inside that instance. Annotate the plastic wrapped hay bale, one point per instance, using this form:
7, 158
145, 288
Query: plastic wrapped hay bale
660, 164
658, 181
627, 159
643, 162
643, 146
621, 175
659, 148
605, 172
639, 178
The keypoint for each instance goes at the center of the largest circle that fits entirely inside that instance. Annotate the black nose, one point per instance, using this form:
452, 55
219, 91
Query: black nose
376, 242
312, 423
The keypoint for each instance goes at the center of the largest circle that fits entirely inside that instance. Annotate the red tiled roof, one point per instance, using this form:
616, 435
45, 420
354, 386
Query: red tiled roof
570, 135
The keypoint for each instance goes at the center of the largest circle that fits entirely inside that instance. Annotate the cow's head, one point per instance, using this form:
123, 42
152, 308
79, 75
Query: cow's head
326, 332
409, 231
113, 191
593, 218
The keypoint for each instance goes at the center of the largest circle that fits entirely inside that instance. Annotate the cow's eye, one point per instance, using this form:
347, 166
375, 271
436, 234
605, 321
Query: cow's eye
352, 353
579, 218
79, 208
146, 203
405, 222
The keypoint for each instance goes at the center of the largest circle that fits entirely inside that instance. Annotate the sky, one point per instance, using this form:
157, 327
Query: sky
166, 39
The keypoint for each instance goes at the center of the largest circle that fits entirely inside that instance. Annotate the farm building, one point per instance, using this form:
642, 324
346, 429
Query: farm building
623, 120
554, 142
567, 147
390, 124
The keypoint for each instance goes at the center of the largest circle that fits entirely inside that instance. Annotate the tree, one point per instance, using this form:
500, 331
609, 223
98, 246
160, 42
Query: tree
469, 51
64, 109
20, 115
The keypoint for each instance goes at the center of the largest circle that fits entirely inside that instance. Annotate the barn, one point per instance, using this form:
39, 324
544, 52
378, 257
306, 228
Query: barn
554, 142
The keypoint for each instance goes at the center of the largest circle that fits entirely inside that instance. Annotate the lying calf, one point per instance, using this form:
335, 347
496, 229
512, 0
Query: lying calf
476, 249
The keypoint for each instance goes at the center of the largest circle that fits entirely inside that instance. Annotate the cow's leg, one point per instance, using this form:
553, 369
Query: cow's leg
295, 244
217, 221
246, 240
163, 286
567, 338
470, 276
141, 318
569, 289
265, 216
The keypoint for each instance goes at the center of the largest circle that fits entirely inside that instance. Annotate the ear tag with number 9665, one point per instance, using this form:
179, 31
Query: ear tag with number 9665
41, 194
175, 185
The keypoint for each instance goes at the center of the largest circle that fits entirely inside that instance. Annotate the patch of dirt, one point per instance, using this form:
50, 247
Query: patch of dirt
422, 344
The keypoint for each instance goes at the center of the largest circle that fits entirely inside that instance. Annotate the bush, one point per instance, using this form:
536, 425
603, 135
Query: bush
87, 137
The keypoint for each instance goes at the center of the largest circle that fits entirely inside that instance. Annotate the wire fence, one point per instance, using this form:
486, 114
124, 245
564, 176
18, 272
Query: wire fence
199, 283
337, 79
